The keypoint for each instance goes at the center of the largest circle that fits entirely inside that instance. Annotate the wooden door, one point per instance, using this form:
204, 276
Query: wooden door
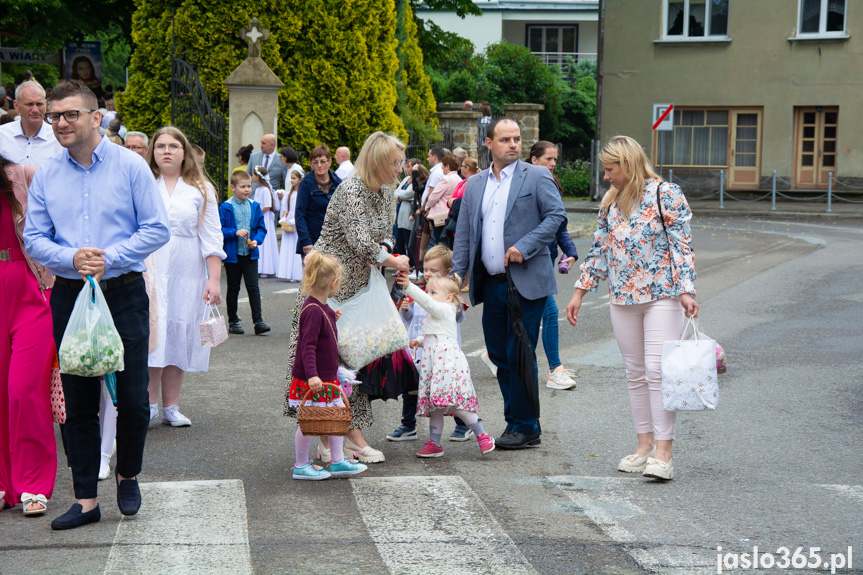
745, 164
815, 140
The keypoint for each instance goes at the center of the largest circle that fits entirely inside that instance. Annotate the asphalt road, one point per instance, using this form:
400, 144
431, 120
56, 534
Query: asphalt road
777, 465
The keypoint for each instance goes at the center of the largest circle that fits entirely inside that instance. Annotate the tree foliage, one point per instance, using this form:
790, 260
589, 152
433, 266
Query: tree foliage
416, 103
337, 58
506, 74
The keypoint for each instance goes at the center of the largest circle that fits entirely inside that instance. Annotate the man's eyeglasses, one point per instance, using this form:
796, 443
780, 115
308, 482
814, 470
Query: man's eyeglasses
136, 148
70, 115
172, 148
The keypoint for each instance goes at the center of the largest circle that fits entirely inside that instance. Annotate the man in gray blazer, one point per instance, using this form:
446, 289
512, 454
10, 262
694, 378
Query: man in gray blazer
269, 159
509, 214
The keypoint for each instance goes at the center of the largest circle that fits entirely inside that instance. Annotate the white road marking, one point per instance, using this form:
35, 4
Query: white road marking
852, 491
604, 501
289, 290
437, 523
476, 353
243, 300
185, 527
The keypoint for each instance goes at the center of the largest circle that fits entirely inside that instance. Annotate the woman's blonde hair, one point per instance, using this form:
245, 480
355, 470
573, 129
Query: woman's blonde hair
450, 285
320, 271
374, 162
471, 164
629, 154
190, 170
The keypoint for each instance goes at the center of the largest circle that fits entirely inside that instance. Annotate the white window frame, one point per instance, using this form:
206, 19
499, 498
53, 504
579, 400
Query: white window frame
684, 36
822, 24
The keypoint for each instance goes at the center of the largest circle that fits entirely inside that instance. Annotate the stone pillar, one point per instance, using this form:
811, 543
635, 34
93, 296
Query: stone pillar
527, 117
463, 125
253, 105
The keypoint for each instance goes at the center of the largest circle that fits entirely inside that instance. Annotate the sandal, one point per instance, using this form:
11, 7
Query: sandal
3, 504
29, 500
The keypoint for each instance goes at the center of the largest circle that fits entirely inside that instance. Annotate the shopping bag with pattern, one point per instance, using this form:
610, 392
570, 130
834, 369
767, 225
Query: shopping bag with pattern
689, 381
213, 328
58, 400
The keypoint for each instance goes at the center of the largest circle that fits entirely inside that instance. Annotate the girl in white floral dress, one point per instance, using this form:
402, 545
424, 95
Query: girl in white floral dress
445, 386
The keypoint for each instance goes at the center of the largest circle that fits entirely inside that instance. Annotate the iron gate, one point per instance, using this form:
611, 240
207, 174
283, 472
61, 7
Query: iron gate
201, 117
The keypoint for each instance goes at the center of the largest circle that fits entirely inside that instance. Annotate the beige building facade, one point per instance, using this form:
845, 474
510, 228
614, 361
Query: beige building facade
756, 86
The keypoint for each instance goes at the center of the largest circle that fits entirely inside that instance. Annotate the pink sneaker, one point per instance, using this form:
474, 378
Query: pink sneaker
486, 443
430, 450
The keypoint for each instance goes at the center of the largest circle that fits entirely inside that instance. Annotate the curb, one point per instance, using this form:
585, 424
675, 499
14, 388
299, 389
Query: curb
713, 211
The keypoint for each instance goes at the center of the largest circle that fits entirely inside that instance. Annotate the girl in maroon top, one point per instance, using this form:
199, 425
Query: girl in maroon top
317, 362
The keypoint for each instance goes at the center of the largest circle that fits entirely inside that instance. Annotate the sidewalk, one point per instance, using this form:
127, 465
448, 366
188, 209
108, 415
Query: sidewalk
784, 208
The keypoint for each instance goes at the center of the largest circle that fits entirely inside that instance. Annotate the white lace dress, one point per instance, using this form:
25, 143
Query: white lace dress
290, 262
268, 252
182, 276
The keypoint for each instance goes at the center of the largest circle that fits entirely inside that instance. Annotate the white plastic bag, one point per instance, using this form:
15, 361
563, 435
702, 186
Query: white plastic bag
91, 345
370, 326
689, 381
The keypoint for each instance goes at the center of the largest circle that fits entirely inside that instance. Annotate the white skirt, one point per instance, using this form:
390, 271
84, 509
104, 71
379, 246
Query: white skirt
268, 252
290, 262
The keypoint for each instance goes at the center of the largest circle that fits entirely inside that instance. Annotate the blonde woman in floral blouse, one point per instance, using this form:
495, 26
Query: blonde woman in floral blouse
642, 247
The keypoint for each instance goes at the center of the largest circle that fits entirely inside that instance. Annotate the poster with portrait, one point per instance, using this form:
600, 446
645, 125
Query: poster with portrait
84, 62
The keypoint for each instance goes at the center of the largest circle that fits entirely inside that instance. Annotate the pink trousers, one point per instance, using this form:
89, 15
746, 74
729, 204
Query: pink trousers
640, 330
28, 454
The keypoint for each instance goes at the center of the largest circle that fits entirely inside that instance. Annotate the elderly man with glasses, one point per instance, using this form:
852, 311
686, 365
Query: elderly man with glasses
95, 210
137, 142
31, 140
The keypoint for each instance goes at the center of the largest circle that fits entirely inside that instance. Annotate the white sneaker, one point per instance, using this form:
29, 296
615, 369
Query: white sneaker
154, 412
104, 468
487, 360
561, 378
171, 416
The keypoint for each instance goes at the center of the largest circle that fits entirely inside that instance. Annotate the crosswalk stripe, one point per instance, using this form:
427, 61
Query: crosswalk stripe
185, 527
289, 290
476, 353
604, 501
435, 524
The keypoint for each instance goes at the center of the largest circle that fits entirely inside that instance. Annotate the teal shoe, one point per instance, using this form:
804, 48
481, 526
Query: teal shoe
346, 467
310, 472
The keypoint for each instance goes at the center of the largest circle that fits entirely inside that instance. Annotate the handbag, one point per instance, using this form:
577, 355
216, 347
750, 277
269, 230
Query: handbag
440, 219
370, 326
58, 400
689, 381
286, 227
213, 328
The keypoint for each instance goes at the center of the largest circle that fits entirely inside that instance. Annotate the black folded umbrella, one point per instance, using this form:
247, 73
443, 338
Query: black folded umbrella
524, 352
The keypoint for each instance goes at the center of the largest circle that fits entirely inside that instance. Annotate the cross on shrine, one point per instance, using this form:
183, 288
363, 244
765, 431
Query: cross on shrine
254, 34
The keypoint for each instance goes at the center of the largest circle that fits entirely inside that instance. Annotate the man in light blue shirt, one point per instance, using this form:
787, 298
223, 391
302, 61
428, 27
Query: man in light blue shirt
94, 210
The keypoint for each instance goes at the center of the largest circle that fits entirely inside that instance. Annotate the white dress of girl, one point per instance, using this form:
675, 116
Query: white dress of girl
182, 277
445, 381
290, 262
268, 252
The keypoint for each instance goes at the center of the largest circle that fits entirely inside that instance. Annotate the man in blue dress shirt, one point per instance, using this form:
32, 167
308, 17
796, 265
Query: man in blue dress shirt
95, 210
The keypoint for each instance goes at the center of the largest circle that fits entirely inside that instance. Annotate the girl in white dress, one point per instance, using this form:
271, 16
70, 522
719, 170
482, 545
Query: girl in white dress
445, 386
290, 262
268, 252
190, 266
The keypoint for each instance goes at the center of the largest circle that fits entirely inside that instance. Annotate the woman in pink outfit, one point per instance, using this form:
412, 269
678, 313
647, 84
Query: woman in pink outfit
28, 454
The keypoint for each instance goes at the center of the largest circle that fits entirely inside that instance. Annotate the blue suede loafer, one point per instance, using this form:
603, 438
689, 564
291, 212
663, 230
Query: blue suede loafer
128, 495
76, 517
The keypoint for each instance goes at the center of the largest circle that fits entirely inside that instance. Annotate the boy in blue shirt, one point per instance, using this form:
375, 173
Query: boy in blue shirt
243, 229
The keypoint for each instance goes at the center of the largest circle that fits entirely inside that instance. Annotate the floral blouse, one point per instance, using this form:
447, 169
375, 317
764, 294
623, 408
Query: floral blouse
635, 253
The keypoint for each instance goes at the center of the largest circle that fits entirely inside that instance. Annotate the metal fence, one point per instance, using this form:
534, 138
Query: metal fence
418, 147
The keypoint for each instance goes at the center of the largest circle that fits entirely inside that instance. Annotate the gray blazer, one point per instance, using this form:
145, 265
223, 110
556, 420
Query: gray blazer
276, 169
534, 212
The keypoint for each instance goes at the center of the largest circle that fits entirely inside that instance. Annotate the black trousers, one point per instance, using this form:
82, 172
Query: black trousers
130, 310
246, 269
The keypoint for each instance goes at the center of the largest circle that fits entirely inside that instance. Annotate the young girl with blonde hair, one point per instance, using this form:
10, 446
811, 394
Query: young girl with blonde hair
317, 363
445, 386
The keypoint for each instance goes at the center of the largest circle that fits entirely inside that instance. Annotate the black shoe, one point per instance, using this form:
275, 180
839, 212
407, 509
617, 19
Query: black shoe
128, 495
236, 328
516, 440
75, 517
261, 327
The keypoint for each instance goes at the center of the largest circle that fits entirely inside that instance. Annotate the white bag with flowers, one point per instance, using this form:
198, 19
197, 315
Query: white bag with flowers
370, 326
91, 345
689, 381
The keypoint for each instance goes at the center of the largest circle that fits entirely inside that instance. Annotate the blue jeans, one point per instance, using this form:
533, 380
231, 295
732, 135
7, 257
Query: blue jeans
500, 342
550, 333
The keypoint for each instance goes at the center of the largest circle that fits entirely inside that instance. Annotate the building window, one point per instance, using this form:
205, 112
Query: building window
695, 19
553, 44
699, 138
822, 17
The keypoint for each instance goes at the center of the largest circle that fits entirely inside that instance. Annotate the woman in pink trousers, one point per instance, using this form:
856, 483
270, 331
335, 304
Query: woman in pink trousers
28, 454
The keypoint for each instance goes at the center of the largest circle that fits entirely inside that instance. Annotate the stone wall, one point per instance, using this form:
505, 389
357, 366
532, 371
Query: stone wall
464, 125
